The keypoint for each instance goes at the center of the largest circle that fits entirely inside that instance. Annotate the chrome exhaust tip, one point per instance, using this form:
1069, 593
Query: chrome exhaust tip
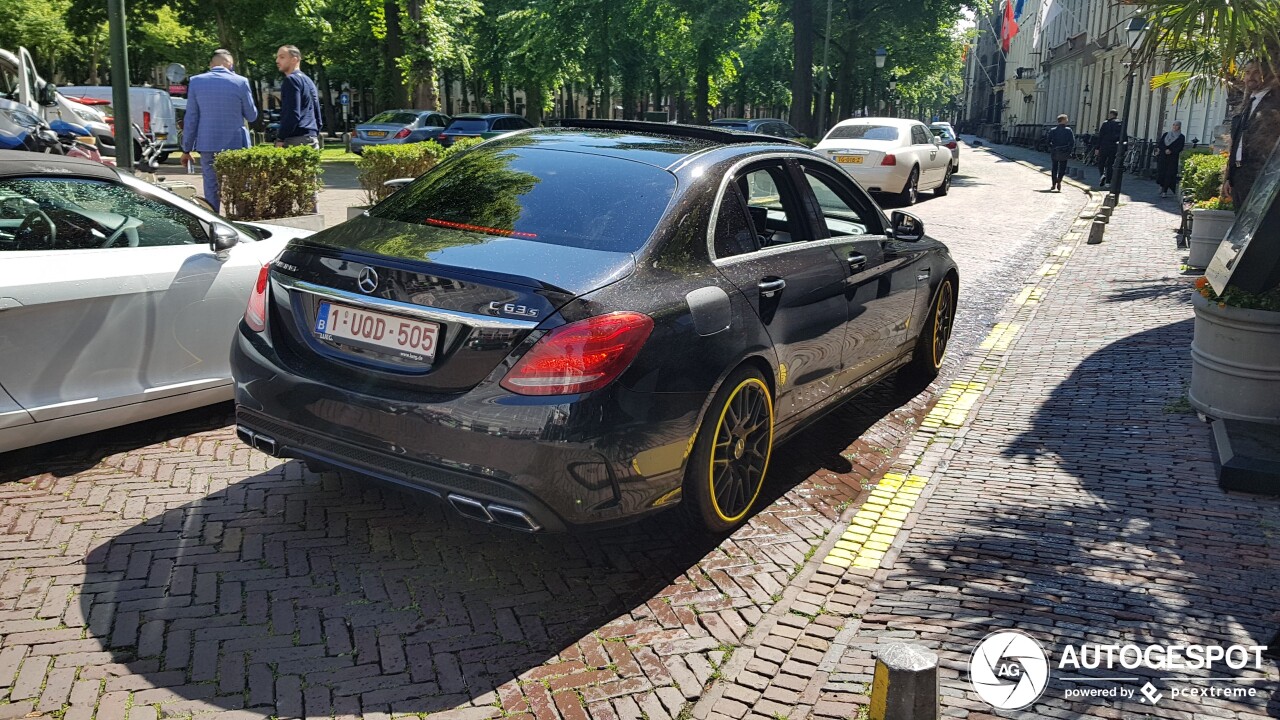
469, 508
245, 434
265, 444
512, 518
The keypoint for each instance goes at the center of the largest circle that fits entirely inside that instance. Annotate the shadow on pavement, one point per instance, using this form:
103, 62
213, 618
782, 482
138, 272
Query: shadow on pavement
1107, 527
299, 594
340, 176
1177, 290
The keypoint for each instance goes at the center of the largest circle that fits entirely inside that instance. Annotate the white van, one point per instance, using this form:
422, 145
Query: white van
20, 83
150, 108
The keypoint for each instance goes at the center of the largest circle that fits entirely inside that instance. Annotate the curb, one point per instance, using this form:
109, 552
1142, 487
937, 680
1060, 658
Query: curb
787, 661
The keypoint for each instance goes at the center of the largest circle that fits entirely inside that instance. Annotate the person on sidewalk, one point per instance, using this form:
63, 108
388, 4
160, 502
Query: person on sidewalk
1108, 139
299, 102
219, 103
1062, 140
1253, 132
1168, 152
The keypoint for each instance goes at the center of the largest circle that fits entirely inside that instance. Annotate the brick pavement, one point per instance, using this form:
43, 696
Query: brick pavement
1064, 489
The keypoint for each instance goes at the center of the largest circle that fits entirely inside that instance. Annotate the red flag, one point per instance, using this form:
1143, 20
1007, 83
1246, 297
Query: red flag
1008, 28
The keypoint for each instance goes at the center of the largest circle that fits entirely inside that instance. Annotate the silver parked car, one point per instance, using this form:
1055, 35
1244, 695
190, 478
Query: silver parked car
118, 299
395, 127
950, 139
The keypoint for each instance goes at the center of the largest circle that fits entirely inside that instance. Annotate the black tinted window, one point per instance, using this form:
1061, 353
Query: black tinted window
733, 230
561, 198
469, 126
395, 118
863, 132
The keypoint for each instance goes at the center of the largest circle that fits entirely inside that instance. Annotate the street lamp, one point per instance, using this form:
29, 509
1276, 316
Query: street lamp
1135, 29
881, 55
893, 85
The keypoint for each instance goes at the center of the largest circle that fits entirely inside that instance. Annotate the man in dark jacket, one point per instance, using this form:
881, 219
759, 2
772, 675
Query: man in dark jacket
1061, 142
1253, 132
1110, 134
299, 102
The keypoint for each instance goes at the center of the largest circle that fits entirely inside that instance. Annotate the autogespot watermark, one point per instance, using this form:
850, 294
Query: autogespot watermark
1011, 670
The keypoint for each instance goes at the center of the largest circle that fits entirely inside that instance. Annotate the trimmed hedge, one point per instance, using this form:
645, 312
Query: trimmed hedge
264, 181
1202, 175
380, 163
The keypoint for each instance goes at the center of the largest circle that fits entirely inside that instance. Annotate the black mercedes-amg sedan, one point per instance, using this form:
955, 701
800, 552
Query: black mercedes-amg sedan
568, 327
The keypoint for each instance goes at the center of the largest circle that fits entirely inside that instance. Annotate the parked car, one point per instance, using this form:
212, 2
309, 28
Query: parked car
150, 108
949, 140
579, 325
395, 127
117, 299
890, 156
764, 126
482, 126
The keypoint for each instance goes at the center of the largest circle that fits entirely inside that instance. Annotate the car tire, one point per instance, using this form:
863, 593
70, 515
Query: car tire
162, 158
945, 187
911, 191
931, 345
736, 434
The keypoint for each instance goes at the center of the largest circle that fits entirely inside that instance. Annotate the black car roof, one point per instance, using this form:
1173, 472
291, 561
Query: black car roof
485, 116
656, 149
17, 162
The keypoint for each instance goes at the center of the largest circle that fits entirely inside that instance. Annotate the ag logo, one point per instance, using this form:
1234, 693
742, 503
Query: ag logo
1009, 670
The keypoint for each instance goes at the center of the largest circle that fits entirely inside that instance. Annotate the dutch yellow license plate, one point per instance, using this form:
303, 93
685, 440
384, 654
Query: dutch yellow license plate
849, 159
377, 133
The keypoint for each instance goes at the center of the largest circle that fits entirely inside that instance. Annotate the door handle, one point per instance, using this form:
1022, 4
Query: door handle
857, 262
922, 275
771, 286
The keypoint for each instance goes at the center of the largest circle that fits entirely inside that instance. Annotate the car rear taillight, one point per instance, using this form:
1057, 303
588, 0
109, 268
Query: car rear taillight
255, 315
889, 159
581, 356
146, 121
952, 145
404, 133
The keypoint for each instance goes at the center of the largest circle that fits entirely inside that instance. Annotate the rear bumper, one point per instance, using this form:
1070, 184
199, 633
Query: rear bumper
569, 462
885, 179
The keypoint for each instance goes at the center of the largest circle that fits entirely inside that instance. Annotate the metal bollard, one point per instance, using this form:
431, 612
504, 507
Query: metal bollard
1096, 230
906, 684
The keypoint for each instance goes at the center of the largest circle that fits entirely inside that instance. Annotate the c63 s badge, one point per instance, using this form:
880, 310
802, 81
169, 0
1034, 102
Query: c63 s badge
513, 309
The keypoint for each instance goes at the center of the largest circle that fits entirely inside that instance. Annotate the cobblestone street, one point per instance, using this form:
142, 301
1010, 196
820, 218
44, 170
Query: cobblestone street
1052, 479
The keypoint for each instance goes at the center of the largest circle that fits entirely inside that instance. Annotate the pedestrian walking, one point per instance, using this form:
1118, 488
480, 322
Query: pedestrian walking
219, 103
1108, 139
1062, 140
299, 102
1253, 131
1168, 152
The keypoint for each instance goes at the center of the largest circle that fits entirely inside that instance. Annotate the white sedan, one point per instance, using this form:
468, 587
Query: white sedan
890, 156
118, 299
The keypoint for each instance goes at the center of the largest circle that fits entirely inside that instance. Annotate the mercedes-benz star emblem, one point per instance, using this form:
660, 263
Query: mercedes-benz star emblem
368, 281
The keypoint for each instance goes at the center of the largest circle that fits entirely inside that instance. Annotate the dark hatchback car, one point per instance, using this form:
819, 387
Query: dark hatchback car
573, 326
482, 126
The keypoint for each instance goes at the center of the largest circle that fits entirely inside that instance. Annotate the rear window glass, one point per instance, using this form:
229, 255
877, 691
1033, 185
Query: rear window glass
469, 125
734, 125
863, 132
555, 197
395, 118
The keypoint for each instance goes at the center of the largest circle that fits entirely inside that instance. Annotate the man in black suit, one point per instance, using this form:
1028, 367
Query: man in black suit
1109, 137
1253, 132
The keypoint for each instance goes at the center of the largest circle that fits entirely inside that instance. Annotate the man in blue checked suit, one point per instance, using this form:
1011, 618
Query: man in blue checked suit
219, 103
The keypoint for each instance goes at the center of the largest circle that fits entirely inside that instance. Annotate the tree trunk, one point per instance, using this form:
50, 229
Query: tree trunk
702, 84
447, 97
397, 92
326, 98
802, 75
533, 102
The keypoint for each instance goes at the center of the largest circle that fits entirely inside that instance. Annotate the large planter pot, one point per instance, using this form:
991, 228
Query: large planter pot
1208, 228
1235, 363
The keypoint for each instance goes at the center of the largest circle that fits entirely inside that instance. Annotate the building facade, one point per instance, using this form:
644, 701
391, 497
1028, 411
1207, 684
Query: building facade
1072, 57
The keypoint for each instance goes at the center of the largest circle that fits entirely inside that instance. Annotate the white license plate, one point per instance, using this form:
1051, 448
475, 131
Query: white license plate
410, 339
849, 159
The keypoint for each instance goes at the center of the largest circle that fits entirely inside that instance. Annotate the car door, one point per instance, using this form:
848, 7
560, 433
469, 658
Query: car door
880, 272
932, 164
122, 303
763, 244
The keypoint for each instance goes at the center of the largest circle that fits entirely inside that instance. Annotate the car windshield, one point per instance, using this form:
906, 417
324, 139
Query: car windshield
554, 197
392, 117
942, 133
468, 125
734, 125
863, 132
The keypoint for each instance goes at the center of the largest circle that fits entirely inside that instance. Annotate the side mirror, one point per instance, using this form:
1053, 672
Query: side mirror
397, 183
225, 237
937, 140
48, 94
906, 227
